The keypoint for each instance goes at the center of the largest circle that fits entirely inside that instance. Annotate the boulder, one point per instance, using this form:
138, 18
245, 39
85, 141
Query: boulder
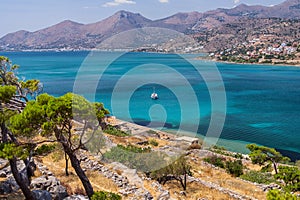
42, 194
58, 192
5, 187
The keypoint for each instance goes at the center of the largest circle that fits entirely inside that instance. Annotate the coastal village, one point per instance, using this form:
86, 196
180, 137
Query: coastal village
262, 50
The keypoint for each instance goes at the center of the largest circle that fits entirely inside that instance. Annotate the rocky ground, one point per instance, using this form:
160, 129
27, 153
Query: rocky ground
207, 182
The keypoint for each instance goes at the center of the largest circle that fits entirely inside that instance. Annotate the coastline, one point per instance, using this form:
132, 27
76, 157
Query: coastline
233, 146
265, 64
184, 136
237, 63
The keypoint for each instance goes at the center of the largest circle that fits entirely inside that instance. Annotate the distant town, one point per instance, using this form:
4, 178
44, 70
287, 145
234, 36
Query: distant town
261, 50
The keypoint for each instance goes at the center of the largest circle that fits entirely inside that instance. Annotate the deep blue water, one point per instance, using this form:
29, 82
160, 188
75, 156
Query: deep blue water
263, 102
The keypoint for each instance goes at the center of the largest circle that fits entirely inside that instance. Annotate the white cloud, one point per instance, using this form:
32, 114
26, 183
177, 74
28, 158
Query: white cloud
118, 2
236, 1
163, 1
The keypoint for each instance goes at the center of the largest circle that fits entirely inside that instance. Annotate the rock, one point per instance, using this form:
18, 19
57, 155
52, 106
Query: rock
148, 196
165, 195
5, 187
51, 184
3, 174
42, 194
11, 181
131, 174
58, 192
76, 197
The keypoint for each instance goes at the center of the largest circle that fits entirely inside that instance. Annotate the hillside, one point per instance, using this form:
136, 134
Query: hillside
70, 35
206, 182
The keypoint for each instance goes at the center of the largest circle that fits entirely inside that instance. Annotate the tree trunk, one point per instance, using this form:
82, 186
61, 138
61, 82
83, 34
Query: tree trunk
67, 164
184, 181
74, 162
19, 179
275, 167
103, 124
30, 168
23, 184
4, 132
80, 173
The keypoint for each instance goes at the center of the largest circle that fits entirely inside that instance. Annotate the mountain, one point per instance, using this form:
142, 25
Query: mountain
73, 35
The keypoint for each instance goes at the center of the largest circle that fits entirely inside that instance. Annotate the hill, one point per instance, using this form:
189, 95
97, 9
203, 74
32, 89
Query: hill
71, 35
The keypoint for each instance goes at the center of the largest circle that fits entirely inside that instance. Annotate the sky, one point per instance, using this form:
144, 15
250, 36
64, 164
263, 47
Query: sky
32, 15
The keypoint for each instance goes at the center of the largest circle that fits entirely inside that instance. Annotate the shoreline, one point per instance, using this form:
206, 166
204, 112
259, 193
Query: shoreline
259, 64
234, 146
237, 63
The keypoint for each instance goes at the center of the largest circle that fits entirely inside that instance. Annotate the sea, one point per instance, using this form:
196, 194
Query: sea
230, 105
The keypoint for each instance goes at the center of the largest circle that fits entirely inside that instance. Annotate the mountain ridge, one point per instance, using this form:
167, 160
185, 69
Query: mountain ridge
74, 35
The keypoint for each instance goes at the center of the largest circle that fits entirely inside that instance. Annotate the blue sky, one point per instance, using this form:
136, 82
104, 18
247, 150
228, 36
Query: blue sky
33, 15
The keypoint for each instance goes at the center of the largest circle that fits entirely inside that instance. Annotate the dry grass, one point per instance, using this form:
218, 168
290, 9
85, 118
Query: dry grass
194, 191
98, 181
220, 177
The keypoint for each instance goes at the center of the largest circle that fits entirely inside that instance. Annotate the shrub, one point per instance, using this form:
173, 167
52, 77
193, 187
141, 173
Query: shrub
45, 149
280, 195
234, 168
216, 161
290, 176
153, 142
238, 156
178, 170
258, 177
111, 130
102, 195
142, 159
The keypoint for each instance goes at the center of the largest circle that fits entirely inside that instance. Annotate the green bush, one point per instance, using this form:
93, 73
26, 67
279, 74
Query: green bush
111, 130
142, 159
45, 149
258, 177
153, 142
280, 195
102, 195
238, 156
290, 176
216, 161
234, 168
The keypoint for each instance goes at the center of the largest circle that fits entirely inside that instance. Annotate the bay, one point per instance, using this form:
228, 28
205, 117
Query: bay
263, 101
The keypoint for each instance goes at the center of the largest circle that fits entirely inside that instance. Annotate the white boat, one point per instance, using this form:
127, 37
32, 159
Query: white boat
154, 95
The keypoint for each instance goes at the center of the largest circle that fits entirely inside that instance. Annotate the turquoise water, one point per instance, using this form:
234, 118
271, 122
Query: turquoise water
263, 102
